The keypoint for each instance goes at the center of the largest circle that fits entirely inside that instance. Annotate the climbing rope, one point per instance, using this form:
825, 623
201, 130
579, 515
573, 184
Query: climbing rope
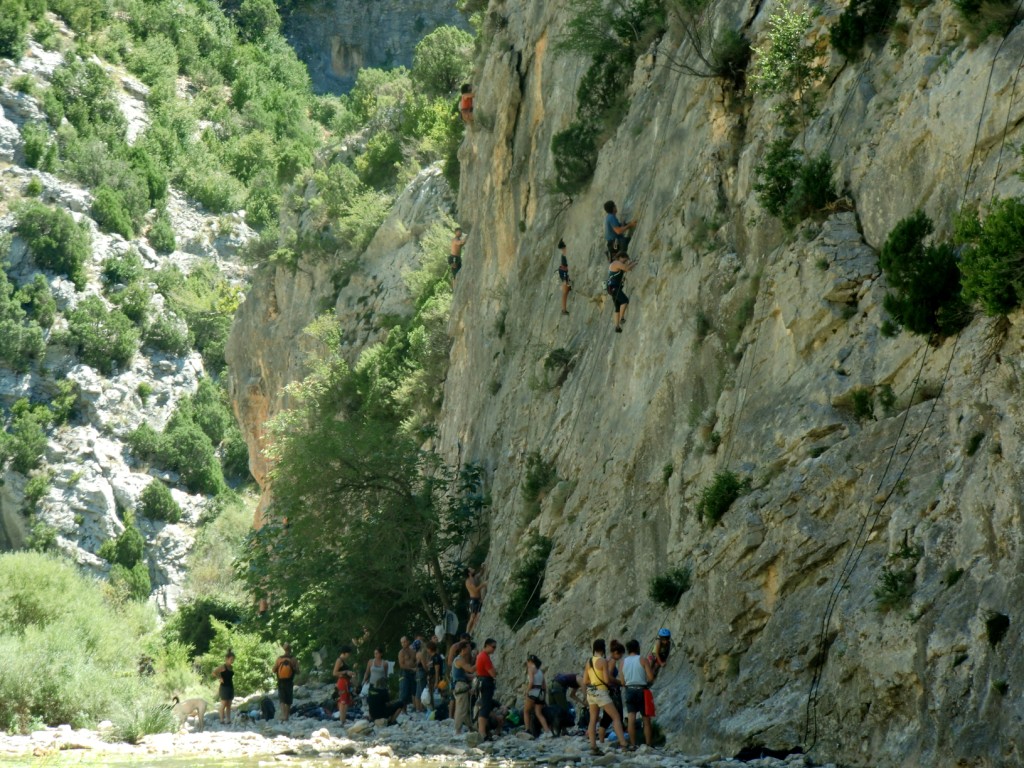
869, 520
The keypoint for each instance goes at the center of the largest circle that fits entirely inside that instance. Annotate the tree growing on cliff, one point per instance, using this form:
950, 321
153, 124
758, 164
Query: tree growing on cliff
441, 62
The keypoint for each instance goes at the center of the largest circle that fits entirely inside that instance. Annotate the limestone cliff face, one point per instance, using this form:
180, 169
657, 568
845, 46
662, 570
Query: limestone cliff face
335, 38
743, 350
645, 419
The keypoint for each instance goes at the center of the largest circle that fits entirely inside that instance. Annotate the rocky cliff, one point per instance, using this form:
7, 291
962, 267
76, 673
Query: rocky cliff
748, 349
335, 38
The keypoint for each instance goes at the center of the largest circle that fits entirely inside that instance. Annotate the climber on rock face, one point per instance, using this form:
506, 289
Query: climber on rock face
466, 104
616, 234
563, 275
617, 270
455, 255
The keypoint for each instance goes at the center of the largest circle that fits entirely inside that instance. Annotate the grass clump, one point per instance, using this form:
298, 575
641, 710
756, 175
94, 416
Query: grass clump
527, 582
132, 723
924, 279
668, 588
896, 582
716, 498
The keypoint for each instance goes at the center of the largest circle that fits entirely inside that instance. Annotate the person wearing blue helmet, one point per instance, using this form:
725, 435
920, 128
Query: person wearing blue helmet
658, 657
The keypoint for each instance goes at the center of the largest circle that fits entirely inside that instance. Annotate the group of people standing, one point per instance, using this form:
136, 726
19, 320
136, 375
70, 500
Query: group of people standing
285, 669
617, 687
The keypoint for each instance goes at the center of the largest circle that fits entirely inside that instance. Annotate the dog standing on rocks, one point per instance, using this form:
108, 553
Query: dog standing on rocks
185, 709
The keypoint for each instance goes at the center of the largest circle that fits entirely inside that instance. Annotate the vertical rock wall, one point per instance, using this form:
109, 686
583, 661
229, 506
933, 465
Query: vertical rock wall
743, 349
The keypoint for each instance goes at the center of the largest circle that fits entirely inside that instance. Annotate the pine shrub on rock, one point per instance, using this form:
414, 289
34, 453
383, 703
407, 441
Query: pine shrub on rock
924, 279
57, 243
103, 338
668, 588
157, 503
992, 261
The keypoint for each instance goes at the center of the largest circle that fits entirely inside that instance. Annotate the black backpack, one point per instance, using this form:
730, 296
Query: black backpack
267, 708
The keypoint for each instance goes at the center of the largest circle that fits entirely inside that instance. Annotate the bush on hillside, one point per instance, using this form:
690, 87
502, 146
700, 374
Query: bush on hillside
52, 618
441, 61
924, 279
21, 337
527, 583
57, 243
169, 335
860, 20
575, 157
128, 549
36, 144
161, 234
668, 588
157, 503
103, 338
38, 297
24, 441
254, 657
791, 187
13, 29
993, 256
716, 498
130, 583
109, 212
122, 268
193, 626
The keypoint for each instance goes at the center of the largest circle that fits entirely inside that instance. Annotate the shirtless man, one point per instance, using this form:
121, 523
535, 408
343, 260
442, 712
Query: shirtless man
476, 597
455, 256
407, 667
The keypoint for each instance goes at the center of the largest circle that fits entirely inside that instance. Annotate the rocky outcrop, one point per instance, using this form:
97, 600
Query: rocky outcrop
335, 38
93, 478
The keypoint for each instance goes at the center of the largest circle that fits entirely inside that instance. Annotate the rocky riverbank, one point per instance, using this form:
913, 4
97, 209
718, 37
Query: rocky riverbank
412, 741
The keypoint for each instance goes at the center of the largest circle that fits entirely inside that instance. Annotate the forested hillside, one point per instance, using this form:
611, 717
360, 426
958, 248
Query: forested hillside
154, 157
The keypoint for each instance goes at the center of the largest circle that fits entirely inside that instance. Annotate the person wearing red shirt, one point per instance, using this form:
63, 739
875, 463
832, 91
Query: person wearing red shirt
485, 674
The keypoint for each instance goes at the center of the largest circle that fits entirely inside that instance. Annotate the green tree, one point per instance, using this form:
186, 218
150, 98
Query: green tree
258, 19
786, 67
993, 256
442, 60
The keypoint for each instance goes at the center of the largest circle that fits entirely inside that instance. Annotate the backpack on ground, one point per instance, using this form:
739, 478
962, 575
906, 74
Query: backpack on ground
267, 708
